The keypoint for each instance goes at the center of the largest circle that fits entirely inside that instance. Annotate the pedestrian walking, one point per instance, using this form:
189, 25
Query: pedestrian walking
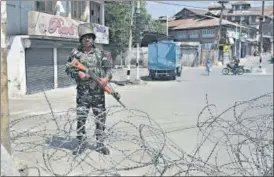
208, 65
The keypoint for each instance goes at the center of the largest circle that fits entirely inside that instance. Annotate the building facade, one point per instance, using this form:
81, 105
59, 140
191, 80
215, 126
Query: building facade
203, 29
243, 13
41, 35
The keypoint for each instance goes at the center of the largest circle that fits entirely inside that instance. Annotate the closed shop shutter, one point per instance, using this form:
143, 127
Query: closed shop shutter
64, 80
39, 69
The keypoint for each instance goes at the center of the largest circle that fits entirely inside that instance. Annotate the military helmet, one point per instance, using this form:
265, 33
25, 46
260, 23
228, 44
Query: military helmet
84, 29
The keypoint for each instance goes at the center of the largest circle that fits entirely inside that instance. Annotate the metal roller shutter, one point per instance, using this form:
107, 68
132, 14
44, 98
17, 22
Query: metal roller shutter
62, 57
39, 69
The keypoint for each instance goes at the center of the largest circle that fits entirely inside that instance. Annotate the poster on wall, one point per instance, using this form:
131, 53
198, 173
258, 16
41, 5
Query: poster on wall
42, 24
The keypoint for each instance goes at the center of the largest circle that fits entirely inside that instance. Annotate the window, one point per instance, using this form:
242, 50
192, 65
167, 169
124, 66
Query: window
45, 6
77, 9
245, 7
95, 9
237, 19
229, 18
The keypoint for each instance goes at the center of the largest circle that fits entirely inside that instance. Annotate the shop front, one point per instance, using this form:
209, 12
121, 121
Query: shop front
50, 40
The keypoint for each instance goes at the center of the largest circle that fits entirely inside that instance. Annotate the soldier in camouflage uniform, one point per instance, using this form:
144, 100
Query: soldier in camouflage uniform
89, 93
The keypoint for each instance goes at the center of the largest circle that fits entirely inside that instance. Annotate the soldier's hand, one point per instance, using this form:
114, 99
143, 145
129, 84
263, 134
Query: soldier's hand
83, 75
103, 82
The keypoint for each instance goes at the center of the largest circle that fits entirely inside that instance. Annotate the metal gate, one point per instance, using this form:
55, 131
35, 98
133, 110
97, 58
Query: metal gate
62, 57
190, 56
39, 69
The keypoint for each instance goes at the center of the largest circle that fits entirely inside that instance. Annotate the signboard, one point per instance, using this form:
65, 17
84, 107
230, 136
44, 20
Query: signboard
42, 24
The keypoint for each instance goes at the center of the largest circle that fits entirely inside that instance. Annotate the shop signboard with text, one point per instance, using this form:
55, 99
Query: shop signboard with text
42, 24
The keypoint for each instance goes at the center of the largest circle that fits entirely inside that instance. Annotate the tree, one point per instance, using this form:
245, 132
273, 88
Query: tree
118, 19
157, 27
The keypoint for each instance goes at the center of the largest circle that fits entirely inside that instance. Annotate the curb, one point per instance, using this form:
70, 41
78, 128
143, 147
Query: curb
258, 71
135, 82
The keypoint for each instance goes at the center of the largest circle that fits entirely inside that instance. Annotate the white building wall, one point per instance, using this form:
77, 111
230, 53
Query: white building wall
17, 30
16, 66
18, 14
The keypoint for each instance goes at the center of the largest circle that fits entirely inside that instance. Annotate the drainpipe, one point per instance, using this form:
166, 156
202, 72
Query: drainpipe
102, 13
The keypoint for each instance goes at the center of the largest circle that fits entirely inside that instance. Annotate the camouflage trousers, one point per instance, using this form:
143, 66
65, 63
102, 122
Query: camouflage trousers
91, 99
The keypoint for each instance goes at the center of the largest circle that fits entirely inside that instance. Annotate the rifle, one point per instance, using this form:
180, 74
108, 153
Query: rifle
76, 64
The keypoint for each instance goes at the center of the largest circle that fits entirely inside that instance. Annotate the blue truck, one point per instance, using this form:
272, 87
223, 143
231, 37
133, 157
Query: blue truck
164, 60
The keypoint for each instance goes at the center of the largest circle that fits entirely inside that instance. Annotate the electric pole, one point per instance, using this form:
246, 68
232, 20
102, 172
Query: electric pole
220, 28
240, 42
167, 25
235, 51
261, 35
138, 40
130, 40
4, 111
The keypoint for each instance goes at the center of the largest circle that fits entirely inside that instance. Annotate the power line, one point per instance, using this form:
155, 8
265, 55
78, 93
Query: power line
202, 8
175, 4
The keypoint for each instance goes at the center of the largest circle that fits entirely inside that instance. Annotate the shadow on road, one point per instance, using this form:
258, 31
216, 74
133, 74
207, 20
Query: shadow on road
120, 83
204, 74
67, 143
147, 78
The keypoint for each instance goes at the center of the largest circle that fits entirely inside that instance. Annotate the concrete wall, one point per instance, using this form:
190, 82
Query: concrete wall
16, 66
8, 167
124, 58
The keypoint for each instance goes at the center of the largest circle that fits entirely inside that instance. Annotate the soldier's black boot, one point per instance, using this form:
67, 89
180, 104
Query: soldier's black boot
79, 150
101, 148
100, 135
81, 146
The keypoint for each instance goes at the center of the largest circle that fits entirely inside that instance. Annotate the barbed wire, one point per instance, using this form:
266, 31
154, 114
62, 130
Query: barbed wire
237, 141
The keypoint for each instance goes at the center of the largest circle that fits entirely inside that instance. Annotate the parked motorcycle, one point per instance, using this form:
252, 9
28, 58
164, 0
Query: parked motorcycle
239, 70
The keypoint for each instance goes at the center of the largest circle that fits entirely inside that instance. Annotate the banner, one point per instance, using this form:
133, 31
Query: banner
42, 24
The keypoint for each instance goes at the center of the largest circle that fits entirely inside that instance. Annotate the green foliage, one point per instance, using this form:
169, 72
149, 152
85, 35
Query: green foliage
118, 21
118, 17
157, 27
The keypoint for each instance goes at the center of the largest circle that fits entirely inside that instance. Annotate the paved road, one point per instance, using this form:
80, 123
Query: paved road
172, 104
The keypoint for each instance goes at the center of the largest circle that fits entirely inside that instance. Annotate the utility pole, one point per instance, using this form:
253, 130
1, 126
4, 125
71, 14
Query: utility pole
235, 51
240, 36
4, 111
138, 41
261, 35
220, 28
130, 40
167, 25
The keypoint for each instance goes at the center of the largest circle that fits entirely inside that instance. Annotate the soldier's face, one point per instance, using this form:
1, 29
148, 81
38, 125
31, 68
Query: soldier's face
87, 40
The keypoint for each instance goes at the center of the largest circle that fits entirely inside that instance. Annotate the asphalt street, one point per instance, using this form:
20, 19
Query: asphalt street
174, 105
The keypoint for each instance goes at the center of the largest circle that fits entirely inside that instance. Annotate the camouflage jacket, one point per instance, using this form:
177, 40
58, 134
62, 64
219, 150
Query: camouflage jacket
94, 61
